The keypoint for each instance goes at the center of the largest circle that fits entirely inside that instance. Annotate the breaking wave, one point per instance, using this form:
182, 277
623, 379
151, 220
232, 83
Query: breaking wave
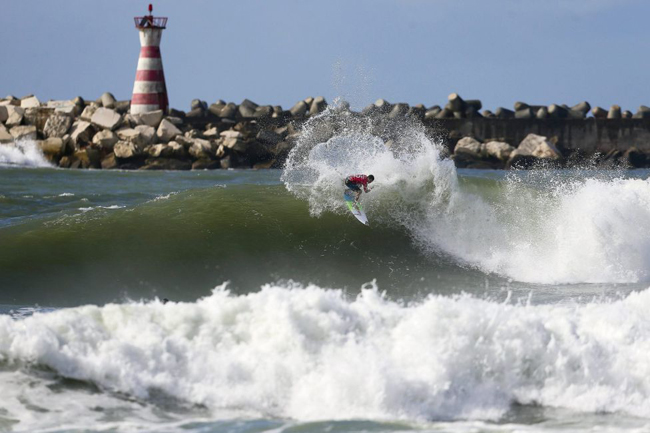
538, 227
309, 353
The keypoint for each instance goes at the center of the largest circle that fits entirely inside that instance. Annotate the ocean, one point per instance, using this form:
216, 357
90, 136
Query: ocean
476, 301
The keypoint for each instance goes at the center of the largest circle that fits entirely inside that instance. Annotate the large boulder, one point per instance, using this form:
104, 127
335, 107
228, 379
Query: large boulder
122, 107
152, 118
177, 150
419, 111
30, 102
643, 113
106, 118
108, 100
469, 153
599, 113
269, 137
398, 111
524, 113
10, 100
556, 111
167, 131
87, 113
229, 111
109, 162
201, 149
216, 108
57, 125
197, 104
14, 115
26, 132
456, 103
498, 150
86, 158
504, 113
81, 133
432, 112
126, 150
318, 105
469, 146
4, 114
231, 134
53, 148
582, 107
67, 108
476, 104
211, 133
235, 144
184, 141
105, 139
141, 135
37, 116
299, 110
263, 112
170, 150
246, 111
5, 136
383, 106
147, 134
614, 112
520, 106
533, 148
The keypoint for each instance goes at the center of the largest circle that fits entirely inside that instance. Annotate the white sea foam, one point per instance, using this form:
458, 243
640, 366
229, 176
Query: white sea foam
24, 153
111, 207
311, 354
164, 196
551, 231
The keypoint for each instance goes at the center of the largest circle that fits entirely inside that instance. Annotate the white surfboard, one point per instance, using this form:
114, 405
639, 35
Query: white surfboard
355, 208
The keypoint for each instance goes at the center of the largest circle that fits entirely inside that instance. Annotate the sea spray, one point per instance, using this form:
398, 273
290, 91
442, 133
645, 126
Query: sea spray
24, 153
563, 230
309, 353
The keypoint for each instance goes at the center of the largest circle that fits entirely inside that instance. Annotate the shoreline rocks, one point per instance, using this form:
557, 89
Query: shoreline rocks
102, 134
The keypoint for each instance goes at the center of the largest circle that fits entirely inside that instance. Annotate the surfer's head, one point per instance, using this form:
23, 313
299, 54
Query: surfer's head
371, 178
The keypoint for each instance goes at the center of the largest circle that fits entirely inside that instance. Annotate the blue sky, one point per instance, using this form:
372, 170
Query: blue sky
281, 51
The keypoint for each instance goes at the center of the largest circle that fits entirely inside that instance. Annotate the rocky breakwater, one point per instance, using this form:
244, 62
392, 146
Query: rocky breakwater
101, 134
530, 135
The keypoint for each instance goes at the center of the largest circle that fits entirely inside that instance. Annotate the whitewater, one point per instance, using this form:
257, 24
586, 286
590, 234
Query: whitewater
477, 301
541, 227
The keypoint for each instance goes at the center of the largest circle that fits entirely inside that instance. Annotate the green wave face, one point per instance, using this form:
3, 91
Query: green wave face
184, 245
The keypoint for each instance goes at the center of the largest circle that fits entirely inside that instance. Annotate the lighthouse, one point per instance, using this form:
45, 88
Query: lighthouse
149, 89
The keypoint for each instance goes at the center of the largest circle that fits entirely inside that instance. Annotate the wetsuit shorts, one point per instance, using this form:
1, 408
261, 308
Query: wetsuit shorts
353, 186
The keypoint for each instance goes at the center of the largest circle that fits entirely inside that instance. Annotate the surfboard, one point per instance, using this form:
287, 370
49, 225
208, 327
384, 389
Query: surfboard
355, 208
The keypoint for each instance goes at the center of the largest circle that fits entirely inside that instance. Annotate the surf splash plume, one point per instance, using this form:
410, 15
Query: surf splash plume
22, 153
544, 228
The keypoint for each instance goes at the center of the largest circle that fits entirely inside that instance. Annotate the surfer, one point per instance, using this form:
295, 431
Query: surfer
356, 181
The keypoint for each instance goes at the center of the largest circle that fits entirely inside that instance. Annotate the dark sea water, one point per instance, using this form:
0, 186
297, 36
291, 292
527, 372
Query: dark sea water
475, 300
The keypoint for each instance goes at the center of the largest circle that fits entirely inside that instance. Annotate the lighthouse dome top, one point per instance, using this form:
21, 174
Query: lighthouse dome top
150, 22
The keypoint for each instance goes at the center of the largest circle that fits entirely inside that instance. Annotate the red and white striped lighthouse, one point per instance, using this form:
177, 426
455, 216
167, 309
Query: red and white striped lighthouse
149, 90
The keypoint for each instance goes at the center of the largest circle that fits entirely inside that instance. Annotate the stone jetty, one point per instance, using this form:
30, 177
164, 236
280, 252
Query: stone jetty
102, 134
